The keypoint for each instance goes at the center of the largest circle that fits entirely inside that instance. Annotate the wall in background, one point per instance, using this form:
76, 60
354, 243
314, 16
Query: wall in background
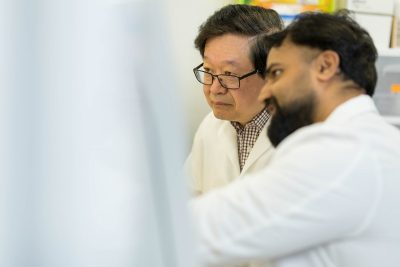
185, 16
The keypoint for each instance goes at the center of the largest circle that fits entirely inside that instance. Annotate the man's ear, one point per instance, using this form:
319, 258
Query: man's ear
327, 65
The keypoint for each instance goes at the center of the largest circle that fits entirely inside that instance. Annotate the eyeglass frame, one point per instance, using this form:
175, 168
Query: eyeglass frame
196, 69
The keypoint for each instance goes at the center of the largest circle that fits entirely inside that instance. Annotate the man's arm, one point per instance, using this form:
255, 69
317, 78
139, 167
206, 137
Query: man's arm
320, 186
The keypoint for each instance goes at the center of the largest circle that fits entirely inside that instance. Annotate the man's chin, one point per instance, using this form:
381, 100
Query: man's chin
286, 121
277, 132
221, 116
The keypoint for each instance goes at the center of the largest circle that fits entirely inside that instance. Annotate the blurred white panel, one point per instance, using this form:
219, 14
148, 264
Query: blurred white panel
93, 135
4, 133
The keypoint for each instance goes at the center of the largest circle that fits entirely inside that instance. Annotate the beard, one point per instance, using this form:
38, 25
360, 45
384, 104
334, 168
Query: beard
286, 120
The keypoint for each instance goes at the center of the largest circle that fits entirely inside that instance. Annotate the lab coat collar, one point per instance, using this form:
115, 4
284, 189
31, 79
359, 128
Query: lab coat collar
261, 146
227, 133
352, 107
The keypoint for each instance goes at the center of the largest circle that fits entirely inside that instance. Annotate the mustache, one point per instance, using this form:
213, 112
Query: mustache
272, 104
268, 101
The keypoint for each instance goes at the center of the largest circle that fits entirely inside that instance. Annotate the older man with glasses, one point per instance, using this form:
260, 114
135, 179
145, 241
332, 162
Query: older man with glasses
232, 139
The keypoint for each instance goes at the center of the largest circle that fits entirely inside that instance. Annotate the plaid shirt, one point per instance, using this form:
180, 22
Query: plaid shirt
247, 135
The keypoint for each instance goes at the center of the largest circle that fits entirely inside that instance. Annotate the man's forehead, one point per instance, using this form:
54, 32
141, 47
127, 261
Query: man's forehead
228, 49
283, 47
289, 51
236, 41
276, 54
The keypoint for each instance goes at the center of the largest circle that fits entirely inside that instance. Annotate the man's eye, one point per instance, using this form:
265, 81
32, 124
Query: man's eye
275, 73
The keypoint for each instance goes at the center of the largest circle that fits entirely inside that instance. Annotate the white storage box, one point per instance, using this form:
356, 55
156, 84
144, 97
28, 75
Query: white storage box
385, 7
378, 26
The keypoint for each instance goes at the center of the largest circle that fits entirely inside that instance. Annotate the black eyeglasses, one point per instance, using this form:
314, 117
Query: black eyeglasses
226, 80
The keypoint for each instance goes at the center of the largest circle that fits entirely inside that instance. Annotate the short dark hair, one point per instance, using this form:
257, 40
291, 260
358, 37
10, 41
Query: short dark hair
239, 19
337, 32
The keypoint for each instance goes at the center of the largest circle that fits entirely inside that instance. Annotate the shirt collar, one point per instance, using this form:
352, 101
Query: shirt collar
258, 121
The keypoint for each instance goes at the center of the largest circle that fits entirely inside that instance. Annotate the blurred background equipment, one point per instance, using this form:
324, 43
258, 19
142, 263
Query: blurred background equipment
381, 20
288, 9
387, 92
374, 15
378, 17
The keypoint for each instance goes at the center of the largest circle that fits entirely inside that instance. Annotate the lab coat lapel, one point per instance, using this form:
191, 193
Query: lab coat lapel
228, 137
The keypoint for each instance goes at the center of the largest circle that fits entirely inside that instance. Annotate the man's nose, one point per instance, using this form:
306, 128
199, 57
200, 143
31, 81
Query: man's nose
216, 87
265, 92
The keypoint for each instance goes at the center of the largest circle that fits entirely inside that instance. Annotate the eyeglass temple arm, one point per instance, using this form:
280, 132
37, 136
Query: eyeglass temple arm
198, 67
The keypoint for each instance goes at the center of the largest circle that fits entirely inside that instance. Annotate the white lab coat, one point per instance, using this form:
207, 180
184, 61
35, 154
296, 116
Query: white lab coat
329, 197
214, 162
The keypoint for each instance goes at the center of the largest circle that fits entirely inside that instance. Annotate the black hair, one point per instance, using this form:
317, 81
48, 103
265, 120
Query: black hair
259, 51
239, 19
337, 32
